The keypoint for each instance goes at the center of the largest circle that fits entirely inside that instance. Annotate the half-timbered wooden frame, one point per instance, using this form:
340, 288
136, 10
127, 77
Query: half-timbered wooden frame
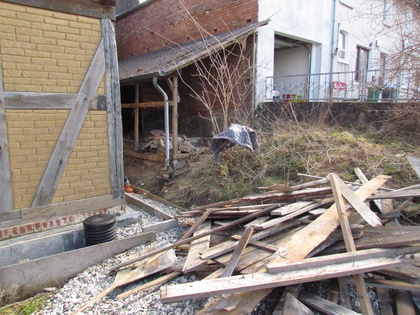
60, 113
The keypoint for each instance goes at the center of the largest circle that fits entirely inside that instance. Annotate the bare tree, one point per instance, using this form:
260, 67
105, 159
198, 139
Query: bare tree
225, 76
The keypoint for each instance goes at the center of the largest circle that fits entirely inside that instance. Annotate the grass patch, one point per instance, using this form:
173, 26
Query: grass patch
287, 149
26, 307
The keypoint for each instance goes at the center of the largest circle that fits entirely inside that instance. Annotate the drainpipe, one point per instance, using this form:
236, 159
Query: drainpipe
166, 114
333, 41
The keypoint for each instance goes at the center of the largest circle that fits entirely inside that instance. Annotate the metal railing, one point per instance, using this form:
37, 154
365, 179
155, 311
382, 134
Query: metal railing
402, 85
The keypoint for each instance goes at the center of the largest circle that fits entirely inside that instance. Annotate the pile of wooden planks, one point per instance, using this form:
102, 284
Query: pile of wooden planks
288, 237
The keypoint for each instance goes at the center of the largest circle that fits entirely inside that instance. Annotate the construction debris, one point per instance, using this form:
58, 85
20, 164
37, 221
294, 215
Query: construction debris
286, 238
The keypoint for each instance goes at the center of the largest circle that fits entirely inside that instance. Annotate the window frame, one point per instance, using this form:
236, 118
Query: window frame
343, 46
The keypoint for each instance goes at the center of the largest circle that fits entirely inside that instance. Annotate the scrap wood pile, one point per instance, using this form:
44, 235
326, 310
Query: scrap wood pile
157, 141
286, 237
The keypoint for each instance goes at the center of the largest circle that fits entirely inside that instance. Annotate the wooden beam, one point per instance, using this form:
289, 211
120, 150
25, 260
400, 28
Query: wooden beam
156, 104
403, 303
71, 130
36, 100
193, 260
91, 8
259, 281
113, 97
324, 261
389, 284
131, 199
6, 194
175, 101
293, 306
150, 284
324, 306
230, 267
368, 215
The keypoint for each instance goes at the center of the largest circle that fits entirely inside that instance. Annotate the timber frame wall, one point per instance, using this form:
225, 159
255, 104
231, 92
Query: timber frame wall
60, 114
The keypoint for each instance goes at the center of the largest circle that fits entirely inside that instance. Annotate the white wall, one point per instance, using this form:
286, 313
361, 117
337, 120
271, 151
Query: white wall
306, 20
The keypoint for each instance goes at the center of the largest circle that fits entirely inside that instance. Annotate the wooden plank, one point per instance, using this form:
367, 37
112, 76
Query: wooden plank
57, 269
293, 306
37, 100
396, 194
368, 215
403, 303
280, 220
193, 260
389, 284
323, 261
348, 239
258, 281
384, 301
384, 236
230, 267
292, 207
132, 199
196, 225
113, 98
361, 176
6, 194
71, 130
149, 284
324, 306
149, 195
91, 8
258, 244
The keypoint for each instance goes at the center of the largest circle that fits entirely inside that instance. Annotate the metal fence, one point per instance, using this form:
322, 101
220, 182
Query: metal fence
402, 85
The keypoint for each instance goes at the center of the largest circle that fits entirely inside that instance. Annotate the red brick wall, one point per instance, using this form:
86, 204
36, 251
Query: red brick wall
162, 23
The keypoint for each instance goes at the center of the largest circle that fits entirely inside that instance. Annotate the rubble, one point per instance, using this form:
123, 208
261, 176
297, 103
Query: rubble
322, 246
242, 249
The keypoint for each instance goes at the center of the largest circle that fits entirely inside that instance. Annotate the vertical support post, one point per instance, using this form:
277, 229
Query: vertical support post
136, 118
6, 194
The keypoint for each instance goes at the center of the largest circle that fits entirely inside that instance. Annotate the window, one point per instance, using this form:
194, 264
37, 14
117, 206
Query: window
387, 12
343, 44
382, 66
362, 62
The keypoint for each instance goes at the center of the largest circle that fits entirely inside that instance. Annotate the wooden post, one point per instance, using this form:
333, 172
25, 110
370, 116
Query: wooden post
6, 195
136, 119
349, 242
173, 84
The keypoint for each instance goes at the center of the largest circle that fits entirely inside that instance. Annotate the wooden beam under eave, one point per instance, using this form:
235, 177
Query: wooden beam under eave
145, 104
90, 8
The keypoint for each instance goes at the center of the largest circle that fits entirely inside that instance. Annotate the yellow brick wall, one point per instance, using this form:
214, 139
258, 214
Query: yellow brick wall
47, 51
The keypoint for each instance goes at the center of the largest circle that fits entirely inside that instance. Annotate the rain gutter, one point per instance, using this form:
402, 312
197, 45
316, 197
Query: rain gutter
166, 115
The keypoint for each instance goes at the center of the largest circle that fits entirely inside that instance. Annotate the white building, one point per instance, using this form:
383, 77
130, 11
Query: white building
334, 49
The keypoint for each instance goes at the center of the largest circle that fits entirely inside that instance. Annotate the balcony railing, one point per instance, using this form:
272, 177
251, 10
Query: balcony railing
355, 86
